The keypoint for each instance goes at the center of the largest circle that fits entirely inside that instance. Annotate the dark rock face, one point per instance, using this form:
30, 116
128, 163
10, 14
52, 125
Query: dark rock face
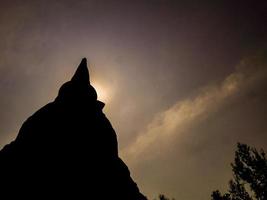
67, 149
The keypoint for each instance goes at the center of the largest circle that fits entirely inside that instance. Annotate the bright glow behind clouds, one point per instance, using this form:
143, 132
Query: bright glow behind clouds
150, 58
104, 93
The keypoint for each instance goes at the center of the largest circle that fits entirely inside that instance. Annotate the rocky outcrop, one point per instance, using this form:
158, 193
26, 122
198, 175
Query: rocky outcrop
67, 149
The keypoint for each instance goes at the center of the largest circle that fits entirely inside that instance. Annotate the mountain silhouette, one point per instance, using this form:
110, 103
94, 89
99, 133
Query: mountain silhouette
67, 149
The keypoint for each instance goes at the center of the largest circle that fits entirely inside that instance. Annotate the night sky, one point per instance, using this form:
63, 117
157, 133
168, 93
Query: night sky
183, 81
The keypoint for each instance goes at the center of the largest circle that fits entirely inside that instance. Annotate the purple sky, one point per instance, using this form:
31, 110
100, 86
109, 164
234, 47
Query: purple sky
183, 81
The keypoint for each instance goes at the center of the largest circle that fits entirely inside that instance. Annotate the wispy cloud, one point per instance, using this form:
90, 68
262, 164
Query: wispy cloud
184, 114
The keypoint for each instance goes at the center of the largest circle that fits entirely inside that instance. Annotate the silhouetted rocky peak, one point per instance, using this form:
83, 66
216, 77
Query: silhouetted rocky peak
78, 89
82, 74
68, 149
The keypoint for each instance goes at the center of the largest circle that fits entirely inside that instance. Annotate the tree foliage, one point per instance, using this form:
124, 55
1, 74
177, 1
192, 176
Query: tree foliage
249, 176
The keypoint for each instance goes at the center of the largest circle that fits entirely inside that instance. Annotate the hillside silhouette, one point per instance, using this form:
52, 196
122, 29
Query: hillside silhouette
67, 149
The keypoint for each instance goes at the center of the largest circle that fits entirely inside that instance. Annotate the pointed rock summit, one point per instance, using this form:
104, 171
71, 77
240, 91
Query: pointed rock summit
67, 150
82, 74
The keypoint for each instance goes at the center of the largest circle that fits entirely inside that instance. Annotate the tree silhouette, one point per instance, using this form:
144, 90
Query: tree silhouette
250, 176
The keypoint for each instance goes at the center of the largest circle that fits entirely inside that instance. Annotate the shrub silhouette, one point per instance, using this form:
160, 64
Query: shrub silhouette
163, 197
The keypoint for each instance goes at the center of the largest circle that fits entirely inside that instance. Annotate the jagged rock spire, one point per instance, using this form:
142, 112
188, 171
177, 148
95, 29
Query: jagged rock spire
69, 145
82, 74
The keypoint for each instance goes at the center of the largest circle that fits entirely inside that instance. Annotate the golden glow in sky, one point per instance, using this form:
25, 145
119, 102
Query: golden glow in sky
182, 81
103, 93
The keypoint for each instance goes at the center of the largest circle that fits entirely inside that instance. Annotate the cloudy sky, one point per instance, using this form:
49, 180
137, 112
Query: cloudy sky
183, 81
